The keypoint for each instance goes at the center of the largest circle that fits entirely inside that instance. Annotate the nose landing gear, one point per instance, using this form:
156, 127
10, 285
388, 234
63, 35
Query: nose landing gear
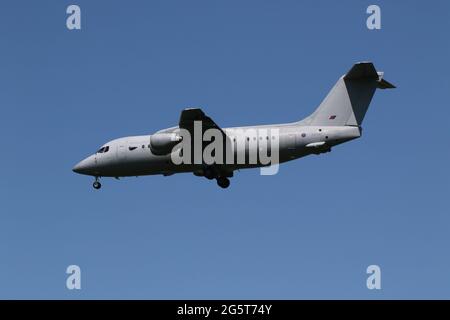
97, 185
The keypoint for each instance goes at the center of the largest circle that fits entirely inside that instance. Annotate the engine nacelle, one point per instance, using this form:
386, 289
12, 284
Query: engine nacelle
163, 143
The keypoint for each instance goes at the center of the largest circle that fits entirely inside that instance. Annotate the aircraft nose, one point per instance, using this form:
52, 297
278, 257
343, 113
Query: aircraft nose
85, 166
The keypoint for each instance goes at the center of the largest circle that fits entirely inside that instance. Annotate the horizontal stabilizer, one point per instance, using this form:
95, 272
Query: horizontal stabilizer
367, 71
362, 70
383, 84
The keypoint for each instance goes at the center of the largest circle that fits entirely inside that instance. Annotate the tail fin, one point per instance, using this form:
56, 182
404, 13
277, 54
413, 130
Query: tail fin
347, 102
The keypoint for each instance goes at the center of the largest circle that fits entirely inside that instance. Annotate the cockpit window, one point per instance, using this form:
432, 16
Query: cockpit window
103, 149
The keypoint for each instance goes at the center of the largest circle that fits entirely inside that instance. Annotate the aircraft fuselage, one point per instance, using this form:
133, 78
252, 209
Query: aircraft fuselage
132, 156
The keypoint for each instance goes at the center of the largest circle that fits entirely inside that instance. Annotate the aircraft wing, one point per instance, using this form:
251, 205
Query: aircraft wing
188, 116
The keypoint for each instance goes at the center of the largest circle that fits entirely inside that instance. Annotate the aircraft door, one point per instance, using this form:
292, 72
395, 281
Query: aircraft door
291, 145
122, 150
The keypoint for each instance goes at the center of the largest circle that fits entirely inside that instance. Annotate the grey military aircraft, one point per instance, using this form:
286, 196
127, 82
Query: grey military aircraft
338, 119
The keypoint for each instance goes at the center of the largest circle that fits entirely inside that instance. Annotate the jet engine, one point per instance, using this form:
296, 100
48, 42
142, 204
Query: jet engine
163, 143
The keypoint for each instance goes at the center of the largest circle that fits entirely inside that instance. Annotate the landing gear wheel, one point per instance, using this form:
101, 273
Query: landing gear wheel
97, 185
209, 174
223, 182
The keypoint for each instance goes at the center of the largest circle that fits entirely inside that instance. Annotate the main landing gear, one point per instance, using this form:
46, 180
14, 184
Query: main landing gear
97, 185
223, 182
210, 172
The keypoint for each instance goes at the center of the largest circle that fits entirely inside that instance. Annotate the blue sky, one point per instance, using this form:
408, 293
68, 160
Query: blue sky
308, 232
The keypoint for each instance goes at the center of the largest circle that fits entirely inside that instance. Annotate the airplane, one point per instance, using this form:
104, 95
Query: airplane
337, 120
